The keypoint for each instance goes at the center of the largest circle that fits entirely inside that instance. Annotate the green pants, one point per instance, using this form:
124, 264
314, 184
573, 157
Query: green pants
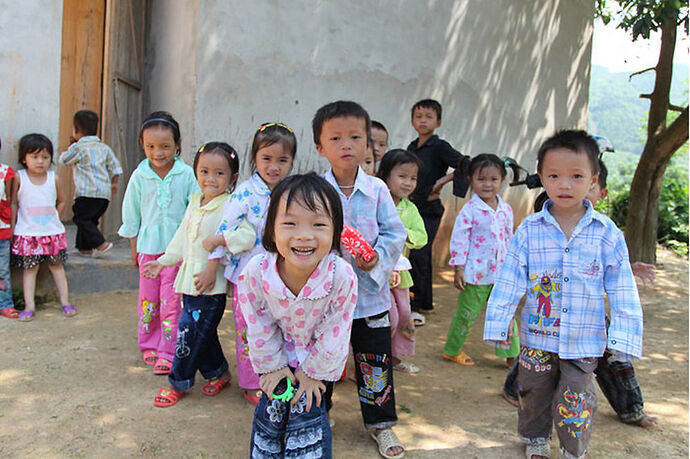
470, 304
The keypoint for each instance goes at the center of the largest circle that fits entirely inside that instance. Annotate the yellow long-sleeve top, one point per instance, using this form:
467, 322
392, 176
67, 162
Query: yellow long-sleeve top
198, 223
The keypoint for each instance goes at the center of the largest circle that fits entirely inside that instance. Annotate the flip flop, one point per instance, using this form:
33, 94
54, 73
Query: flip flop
460, 359
99, 253
386, 439
69, 310
10, 313
26, 316
150, 357
162, 367
167, 397
214, 386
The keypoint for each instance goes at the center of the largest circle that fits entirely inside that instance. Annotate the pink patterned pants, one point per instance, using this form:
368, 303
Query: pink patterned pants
246, 377
402, 325
159, 310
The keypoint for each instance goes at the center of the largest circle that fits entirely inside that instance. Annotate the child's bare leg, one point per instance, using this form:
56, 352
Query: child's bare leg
60, 280
29, 287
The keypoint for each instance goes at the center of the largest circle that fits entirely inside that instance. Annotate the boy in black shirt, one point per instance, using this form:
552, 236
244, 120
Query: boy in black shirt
436, 156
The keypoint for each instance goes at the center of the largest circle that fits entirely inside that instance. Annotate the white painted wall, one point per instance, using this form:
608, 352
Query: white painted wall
30, 50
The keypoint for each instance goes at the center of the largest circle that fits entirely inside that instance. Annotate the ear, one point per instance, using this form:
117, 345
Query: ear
234, 178
604, 193
595, 179
319, 148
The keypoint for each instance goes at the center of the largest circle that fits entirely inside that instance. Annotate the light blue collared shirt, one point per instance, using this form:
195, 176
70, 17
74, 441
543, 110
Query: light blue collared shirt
565, 282
94, 164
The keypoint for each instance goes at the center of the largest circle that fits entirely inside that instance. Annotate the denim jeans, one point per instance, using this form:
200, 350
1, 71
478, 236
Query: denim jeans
197, 346
283, 430
5, 284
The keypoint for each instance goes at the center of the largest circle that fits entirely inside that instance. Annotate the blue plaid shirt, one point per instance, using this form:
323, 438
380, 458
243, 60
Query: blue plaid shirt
565, 282
95, 165
371, 211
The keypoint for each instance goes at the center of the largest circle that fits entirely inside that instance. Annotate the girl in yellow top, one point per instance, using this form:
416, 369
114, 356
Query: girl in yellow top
201, 284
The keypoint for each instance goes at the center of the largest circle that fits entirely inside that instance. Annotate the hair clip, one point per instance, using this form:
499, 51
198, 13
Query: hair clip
267, 125
232, 155
202, 148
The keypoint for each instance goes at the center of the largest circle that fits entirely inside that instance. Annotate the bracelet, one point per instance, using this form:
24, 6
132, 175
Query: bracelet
287, 395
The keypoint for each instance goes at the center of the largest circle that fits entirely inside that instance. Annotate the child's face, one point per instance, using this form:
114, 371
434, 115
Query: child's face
303, 237
402, 180
596, 193
380, 138
273, 163
368, 162
567, 177
425, 121
159, 147
486, 183
343, 143
37, 162
213, 174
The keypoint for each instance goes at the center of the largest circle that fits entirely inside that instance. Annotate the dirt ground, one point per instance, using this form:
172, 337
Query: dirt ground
77, 387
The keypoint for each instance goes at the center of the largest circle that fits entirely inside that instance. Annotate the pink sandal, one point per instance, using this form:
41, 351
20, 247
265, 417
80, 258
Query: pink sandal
162, 367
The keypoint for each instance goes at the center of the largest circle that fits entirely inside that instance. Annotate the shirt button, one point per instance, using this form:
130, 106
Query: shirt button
566, 279
565, 309
503, 334
613, 341
567, 249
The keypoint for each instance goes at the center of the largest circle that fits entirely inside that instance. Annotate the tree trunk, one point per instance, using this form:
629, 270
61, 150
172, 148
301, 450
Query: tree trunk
643, 210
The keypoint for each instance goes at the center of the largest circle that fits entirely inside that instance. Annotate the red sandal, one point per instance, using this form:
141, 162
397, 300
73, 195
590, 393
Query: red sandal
10, 313
150, 357
162, 367
214, 386
252, 396
167, 397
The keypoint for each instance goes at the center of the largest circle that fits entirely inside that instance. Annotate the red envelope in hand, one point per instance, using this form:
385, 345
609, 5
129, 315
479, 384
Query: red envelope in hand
355, 243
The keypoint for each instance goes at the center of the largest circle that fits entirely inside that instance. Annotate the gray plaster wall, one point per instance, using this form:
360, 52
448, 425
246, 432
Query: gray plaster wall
508, 72
30, 49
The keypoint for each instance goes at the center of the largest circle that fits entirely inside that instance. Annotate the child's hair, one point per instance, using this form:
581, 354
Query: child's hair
86, 122
484, 160
31, 143
576, 141
428, 103
310, 191
378, 125
164, 119
393, 158
603, 174
224, 150
270, 133
339, 109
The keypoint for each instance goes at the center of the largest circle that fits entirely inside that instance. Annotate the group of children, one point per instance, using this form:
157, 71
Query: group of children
299, 302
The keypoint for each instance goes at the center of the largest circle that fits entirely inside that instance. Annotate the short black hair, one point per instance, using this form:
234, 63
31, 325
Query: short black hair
338, 109
269, 134
483, 160
310, 191
393, 158
603, 174
378, 125
224, 150
86, 122
165, 119
428, 103
577, 141
32, 143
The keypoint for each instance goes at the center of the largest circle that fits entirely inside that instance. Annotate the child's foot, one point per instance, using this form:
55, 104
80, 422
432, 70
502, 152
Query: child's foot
68, 310
215, 385
10, 313
150, 357
162, 367
389, 445
86, 253
510, 361
406, 367
253, 396
418, 319
647, 421
460, 359
26, 316
167, 397
102, 249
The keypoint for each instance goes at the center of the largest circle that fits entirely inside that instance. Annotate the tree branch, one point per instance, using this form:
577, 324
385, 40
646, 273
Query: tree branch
673, 137
640, 72
675, 108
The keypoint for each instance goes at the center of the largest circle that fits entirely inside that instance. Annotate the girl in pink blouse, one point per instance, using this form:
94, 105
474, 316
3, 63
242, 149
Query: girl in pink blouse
298, 300
479, 242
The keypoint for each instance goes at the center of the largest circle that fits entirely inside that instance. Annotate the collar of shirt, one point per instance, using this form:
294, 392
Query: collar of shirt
88, 139
363, 183
212, 205
178, 168
430, 142
258, 185
318, 285
590, 214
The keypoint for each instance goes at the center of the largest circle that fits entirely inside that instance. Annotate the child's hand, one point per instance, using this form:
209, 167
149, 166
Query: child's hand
134, 256
395, 279
435, 192
113, 189
366, 265
152, 269
211, 242
459, 277
206, 279
269, 381
313, 389
644, 271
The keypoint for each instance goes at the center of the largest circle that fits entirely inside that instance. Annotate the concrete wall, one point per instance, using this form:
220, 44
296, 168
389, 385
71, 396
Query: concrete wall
30, 50
508, 72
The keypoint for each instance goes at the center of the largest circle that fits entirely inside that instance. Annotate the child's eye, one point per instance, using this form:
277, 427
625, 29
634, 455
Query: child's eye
553, 176
577, 176
335, 138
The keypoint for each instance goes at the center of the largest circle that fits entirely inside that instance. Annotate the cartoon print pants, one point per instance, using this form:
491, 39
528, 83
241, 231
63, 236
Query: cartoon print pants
159, 310
246, 377
402, 325
283, 430
559, 392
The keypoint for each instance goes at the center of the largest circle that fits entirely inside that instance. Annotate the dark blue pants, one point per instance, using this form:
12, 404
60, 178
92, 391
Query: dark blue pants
422, 272
282, 430
198, 347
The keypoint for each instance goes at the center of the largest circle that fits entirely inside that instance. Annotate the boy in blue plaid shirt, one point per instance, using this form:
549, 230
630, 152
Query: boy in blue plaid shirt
564, 259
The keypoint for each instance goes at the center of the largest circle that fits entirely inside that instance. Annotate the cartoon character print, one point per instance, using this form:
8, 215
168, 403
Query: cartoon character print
166, 328
375, 378
574, 415
148, 310
182, 349
242, 336
545, 286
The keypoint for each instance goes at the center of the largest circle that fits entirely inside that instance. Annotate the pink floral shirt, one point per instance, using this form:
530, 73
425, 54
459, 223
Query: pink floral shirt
480, 239
310, 331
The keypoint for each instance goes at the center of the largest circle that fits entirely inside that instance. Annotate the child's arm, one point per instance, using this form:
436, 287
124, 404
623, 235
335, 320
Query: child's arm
233, 214
131, 216
435, 192
71, 155
173, 252
460, 244
60, 201
13, 201
414, 225
625, 331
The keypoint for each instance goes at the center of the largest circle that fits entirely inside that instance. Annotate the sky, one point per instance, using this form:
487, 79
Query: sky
613, 48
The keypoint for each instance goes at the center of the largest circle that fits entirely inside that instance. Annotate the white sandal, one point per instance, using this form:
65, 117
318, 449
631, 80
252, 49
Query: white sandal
385, 440
418, 319
538, 450
406, 367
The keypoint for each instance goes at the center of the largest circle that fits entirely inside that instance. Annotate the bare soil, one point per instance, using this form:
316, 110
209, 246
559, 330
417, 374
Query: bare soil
78, 387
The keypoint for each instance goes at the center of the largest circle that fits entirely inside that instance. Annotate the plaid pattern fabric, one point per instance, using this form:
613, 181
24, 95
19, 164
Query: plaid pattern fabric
95, 165
564, 282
